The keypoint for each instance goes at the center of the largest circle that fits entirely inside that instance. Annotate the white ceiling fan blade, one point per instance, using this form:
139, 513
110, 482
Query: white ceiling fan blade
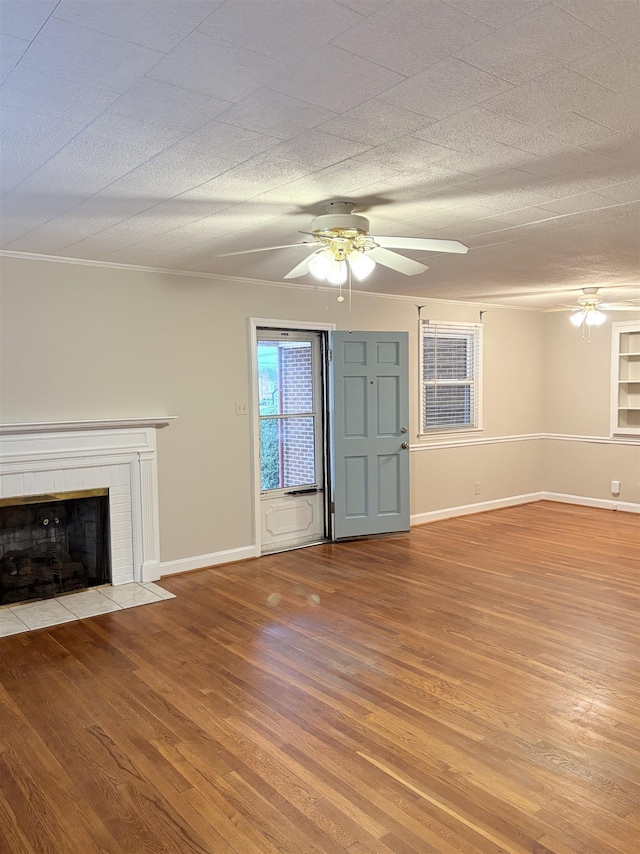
300, 269
396, 262
603, 306
261, 249
430, 244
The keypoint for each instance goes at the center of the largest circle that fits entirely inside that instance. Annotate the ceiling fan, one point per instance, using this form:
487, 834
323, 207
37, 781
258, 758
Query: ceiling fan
342, 243
589, 310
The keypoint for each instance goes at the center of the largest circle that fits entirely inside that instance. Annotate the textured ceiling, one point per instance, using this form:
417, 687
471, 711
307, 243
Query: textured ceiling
161, 133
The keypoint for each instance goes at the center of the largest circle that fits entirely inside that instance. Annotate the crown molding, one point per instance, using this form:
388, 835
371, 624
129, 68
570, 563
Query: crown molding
217, 277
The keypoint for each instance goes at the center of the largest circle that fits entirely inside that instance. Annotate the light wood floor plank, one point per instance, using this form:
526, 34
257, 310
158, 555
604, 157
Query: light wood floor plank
469, 688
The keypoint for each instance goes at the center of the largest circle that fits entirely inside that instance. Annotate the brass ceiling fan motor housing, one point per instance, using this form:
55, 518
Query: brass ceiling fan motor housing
342, 230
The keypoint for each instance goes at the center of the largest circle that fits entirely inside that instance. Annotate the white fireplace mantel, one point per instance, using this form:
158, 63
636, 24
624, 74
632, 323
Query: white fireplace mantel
46, 457
64, 426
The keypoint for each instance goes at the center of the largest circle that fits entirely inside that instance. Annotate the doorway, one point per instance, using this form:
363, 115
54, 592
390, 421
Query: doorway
330, 433
290, 400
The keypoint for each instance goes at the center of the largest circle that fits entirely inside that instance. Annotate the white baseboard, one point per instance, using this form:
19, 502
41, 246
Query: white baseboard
203, 561
150, 571
604, 503
246, 552
480, 507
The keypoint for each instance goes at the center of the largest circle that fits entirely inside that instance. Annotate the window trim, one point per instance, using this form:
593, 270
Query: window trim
475, 331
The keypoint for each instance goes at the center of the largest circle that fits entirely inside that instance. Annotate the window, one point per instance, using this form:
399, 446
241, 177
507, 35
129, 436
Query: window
450, 370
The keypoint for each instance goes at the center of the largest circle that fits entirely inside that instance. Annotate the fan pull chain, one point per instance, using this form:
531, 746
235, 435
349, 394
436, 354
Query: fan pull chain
350, 323
584, 323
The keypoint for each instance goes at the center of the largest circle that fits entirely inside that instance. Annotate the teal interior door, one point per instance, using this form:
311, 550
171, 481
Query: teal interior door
370, 418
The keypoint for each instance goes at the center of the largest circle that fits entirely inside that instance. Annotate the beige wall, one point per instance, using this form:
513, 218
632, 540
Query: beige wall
577, 403
84, 342
446, 478
578, 373
587, 469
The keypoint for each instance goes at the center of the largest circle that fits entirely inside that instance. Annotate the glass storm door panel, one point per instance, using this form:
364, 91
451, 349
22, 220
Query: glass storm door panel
370, 390
291, 416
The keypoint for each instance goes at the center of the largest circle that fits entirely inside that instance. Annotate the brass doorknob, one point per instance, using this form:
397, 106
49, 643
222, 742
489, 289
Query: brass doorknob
404, 446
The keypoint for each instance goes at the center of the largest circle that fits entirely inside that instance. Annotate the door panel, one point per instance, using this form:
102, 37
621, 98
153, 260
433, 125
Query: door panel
356, 487
370, 420
355, 412
389, 484
288, 521
354, 353
388, 406
388, 352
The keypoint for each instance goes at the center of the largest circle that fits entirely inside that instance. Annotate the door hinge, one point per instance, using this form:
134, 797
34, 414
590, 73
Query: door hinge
330, 354
332, 506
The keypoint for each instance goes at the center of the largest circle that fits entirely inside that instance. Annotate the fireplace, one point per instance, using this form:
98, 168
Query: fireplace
116, 462
53, 544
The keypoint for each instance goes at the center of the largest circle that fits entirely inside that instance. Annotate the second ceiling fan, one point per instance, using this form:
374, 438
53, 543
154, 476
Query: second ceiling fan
342, 242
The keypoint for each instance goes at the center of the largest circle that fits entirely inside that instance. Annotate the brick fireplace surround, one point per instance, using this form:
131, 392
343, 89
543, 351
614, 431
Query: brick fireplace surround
57, 457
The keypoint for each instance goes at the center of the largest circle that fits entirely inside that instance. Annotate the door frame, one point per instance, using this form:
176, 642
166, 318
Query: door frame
270, 323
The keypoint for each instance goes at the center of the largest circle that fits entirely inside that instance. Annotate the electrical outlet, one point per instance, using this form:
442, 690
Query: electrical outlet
242, 409
477, 487
615, 487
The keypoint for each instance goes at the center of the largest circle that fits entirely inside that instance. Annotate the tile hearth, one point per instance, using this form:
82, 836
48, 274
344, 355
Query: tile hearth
77, 606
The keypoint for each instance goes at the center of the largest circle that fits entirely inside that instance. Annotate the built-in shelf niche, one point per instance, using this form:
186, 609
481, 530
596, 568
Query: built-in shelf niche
625, 378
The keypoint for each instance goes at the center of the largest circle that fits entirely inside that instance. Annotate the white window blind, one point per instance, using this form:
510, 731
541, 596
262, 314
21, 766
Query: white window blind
450, 371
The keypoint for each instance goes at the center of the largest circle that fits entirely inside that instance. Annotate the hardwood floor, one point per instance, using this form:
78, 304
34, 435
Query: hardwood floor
470, 687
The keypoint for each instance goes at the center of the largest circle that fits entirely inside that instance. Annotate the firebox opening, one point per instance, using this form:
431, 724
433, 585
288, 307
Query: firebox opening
53, 544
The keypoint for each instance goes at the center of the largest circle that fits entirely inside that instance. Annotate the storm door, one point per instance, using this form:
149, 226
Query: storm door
291, 412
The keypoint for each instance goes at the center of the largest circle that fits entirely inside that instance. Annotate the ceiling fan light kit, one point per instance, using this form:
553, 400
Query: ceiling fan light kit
331, 265
345, 239
588, 314
591, 316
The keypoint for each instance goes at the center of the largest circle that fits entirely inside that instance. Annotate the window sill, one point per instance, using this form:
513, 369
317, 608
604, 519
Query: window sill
439, 436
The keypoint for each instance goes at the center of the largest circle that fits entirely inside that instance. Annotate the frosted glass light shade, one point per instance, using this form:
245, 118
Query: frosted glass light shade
590, 316
595, 318
337, 274
361, 265
577, 318
320, 264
